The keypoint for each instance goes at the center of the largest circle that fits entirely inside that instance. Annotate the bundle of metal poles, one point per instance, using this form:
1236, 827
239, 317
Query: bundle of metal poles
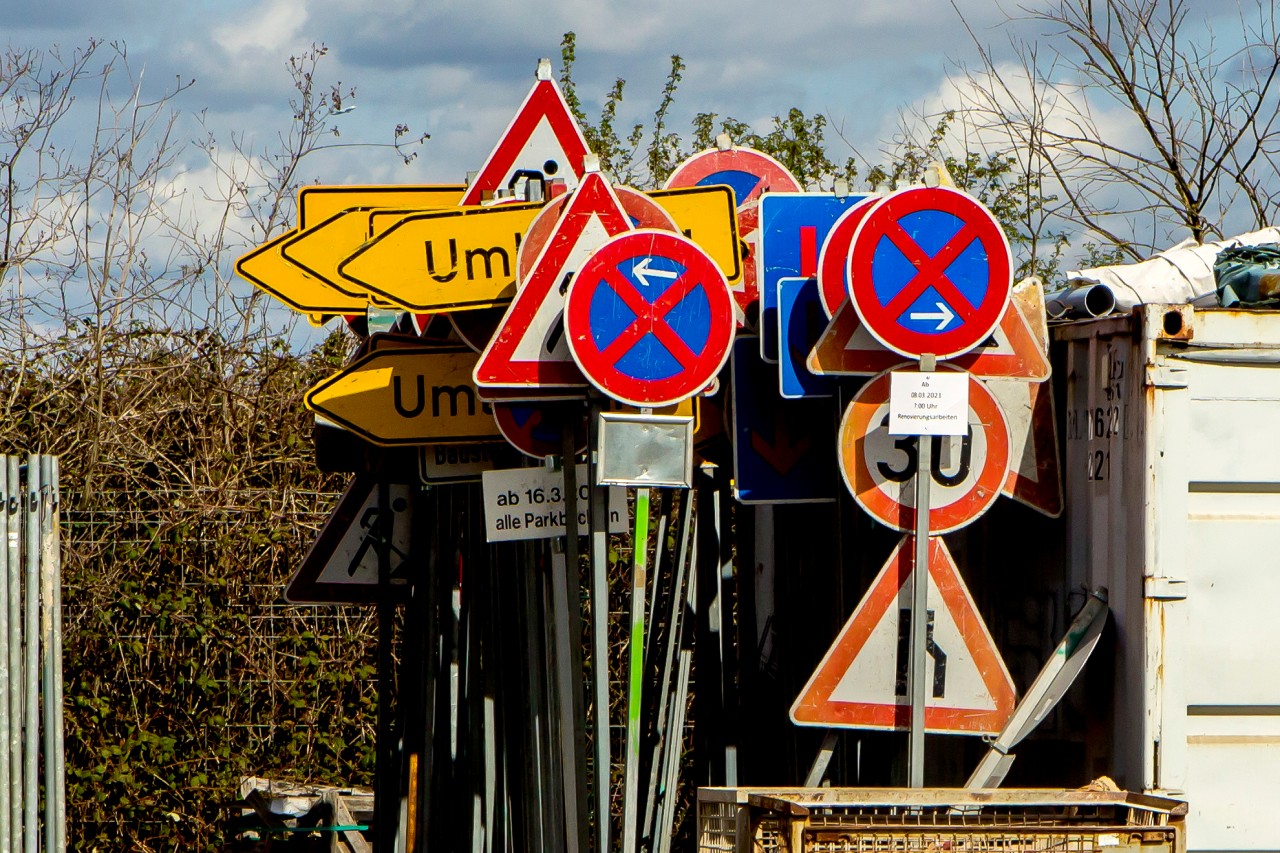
31, 657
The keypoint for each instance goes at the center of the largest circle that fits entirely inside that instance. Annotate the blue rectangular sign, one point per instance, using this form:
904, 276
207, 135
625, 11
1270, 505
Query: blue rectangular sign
784, 451
793, 227
800, 324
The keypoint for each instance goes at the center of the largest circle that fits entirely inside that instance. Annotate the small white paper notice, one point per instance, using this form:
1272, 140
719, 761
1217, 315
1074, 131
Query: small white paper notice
528, 503
928, 403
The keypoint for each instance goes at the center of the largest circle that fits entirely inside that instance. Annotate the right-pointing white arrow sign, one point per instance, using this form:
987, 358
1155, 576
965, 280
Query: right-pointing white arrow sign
944, 315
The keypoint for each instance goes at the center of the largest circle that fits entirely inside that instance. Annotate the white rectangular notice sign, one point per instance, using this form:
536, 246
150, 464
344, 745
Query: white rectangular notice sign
928, 403
528, 503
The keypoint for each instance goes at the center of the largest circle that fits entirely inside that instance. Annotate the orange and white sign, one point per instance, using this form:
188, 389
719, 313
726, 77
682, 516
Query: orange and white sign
862, 680
847, 347
879, 469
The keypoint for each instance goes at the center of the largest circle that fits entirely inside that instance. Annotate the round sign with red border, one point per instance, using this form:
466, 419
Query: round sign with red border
643, 212
930, 271
649, 318
833, 261
747, 171
537, 429
879, 469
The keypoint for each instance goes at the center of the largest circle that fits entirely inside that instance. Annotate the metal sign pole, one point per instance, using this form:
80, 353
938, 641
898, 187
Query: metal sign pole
13, 523
31, 672
635, 677
599, 526
386, 799
569, 654
7, 676
919, 598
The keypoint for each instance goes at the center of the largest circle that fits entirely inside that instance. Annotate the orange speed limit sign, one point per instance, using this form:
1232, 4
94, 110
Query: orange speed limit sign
879, 469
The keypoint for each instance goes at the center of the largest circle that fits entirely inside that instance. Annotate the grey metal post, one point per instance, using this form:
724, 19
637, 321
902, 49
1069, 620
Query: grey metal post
6, 675
47, 661
13, 529
54, 539
920, 598
31, 662
665, 685
673, 749
599, 518
574, 741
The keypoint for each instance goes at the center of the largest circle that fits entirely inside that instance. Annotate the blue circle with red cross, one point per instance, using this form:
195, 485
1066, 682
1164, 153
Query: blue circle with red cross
930, 271
747, 171
649, 318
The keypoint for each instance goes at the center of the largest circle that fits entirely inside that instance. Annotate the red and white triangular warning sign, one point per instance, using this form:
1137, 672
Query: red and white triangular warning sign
861, 682
846, 347
1034, 478
530, 350
342, 565
543, 140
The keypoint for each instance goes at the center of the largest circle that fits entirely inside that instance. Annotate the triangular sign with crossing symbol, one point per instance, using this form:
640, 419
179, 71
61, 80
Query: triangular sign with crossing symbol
862, 680
529, 349
543, 142
1011, 351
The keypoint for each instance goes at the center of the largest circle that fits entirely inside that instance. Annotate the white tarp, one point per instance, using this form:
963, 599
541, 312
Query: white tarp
1183, 273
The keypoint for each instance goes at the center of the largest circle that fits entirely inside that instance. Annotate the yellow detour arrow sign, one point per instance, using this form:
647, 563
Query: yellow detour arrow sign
267, 269
466, 258
318, 249
444, 259
708, 217
301, 288
316, 204
407, 396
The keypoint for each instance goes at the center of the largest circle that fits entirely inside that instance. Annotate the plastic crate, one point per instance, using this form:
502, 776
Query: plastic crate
934, 820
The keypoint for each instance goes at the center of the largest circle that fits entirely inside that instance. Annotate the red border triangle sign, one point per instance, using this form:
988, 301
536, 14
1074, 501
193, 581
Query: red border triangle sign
543, 138
530, 349
861, 682
1011, 351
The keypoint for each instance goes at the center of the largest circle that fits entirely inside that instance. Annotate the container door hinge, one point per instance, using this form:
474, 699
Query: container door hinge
1164, 589
1165, 375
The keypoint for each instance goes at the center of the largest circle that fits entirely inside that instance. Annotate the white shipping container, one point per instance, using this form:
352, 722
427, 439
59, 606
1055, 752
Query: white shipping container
1172, 435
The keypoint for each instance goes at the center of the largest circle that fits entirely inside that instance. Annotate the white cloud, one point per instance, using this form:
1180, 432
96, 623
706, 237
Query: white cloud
271, 28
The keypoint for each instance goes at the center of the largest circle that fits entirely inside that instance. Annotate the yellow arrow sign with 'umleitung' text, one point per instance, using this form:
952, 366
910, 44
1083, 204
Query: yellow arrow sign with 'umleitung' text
407, 396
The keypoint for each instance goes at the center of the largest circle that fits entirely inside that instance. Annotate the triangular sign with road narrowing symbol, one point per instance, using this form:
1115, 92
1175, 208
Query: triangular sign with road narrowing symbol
862, 680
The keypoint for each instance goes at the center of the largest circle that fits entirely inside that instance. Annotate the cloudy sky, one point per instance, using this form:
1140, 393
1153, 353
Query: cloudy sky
458, 68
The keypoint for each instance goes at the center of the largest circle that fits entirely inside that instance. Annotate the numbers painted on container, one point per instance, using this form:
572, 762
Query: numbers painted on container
1099, 465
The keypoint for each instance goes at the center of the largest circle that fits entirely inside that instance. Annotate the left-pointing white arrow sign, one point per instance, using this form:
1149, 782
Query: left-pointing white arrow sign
642, 271
944, 315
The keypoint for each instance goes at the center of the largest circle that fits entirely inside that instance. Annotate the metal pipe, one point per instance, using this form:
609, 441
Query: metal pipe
674, 747
47, 660
31, 663
6, 675
599, 527
1089, 300
59, 724
919, 599
13, 529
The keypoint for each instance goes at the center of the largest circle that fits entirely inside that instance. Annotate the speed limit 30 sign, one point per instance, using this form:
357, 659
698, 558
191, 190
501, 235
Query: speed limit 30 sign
879, 469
